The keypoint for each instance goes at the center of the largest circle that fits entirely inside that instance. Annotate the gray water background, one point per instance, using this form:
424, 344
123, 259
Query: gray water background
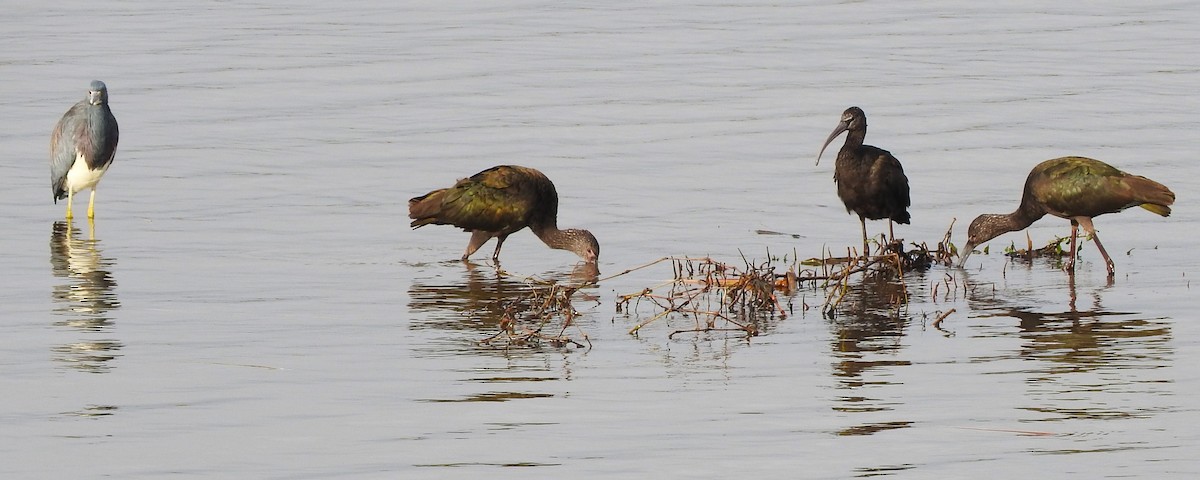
252, 303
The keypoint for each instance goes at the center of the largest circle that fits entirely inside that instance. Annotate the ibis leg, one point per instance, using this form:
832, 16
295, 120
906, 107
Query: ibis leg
863, 221
478, 238
1091, 230
1112, 270
1070, 265
499, 243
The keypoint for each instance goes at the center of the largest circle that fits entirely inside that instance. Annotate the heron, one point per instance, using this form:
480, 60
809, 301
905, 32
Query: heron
82, 147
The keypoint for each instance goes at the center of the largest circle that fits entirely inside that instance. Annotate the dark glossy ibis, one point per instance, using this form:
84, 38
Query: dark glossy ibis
870, 181
82, 147
1077, 189
497, 202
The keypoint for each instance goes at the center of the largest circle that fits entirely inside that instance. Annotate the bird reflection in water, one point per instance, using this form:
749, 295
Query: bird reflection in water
476, 302
1086, 364
85, 298
1030, 263
867, 341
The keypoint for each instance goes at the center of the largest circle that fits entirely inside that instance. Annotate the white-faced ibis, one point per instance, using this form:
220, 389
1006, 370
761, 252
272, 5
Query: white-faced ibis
870, 181
82, 147
1077, 189
497, 202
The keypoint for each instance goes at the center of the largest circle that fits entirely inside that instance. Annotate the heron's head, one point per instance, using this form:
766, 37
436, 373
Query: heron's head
97, 93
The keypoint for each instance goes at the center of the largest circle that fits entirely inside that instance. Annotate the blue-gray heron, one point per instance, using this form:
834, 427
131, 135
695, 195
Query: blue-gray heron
82, 147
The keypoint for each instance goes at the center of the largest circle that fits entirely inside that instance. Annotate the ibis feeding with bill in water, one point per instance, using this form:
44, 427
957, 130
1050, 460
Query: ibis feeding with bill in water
497, 202
870, 181
1077, 189
82, 147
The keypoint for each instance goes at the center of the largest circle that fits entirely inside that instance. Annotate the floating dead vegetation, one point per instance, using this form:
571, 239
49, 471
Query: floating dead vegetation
832, 274
530, 320
1058, 248
714, 296
717, 296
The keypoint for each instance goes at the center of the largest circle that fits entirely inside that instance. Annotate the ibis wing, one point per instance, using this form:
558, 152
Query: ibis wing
1080, 186
896, 180
492, 200
896, 189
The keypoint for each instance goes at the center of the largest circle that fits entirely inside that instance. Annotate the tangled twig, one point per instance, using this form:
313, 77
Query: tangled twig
718, 296
544, 302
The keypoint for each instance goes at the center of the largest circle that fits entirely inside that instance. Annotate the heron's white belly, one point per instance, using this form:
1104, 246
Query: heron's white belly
80, 178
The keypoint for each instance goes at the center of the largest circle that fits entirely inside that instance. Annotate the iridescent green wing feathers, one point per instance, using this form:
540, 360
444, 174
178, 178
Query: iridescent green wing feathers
499, 199
1074, 186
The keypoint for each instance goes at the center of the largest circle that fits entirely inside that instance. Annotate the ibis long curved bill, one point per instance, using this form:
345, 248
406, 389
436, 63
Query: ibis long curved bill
870, 180
841, 127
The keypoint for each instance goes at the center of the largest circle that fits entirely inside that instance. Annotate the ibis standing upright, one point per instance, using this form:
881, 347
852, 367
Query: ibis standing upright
82, 147
498, 202
870, 181
1077, 189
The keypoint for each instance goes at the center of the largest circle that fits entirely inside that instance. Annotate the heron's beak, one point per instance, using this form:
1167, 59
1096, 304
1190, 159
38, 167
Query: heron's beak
841, 127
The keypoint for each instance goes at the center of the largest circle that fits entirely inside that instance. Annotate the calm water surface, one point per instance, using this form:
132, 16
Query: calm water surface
250, 302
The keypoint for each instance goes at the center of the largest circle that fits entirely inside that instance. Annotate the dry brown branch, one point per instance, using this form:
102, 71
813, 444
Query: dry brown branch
634, 269
714, 293
938, 321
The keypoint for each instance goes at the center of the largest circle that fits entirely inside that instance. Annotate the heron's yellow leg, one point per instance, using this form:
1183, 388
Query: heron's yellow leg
70, 198
92, 204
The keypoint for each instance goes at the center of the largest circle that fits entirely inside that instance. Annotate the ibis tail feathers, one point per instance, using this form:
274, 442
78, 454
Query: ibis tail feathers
1154, 196
1158, 209
425, 209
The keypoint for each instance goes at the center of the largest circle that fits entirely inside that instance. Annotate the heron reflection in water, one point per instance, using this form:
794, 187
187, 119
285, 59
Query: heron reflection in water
85, 299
